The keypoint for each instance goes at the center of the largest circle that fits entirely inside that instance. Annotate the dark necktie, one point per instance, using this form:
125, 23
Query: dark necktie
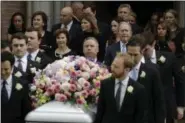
118, 96
29, 57
20, 65
4, 93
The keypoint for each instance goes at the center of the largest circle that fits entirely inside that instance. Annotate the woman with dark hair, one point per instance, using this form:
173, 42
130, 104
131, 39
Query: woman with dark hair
114, 28
39, 22
62, 40
17, 24
176, 33
161, 37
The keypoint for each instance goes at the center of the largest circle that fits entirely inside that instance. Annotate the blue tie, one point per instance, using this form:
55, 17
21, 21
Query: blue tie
134, 74
124, 50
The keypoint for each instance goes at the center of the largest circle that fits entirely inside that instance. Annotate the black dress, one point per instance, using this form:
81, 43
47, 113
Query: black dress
47, 43
57, 56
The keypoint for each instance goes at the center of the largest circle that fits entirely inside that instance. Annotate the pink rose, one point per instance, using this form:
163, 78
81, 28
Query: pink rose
63, 98
93, 92
80, 101
85, 93
86, 85
72, 87
47, 94
97, 84
57, 88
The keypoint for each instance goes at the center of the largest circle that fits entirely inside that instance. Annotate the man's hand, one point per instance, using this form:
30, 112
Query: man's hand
180, 112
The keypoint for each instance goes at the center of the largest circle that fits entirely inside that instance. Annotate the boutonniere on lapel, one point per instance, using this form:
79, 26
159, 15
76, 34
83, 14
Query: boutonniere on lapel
162, 59
18, 74
38, 59
33, 70
18, 86
143, 74
183, 69
130, 89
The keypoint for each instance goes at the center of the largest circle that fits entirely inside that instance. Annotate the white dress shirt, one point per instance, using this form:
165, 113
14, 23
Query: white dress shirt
34, 54
123, 89
8, 85
153, 58
68, 26
136, 69
24, 62
123, 47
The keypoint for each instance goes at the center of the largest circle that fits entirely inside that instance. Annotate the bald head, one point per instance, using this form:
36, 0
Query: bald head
66, 15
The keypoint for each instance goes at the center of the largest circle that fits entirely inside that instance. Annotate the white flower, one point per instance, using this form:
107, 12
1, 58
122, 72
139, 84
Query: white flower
130, 89
18, 86
65, 86
18, 74
143, 74
33, 88
162, 59
85, 75
38, 59
183, 68
33, 70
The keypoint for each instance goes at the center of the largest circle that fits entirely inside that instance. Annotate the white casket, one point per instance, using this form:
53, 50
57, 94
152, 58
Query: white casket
57, 112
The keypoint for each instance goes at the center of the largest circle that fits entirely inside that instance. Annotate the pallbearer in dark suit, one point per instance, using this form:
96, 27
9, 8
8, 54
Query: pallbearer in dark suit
19, 49
125, 33
15, 101
121, 99
34, 53
172, 78
148, 75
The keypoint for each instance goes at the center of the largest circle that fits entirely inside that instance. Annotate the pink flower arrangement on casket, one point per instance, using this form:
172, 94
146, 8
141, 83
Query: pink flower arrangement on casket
73, 79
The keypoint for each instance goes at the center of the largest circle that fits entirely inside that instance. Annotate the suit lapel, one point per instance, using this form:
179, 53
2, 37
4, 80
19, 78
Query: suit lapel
12, 95
127, 95
141, 69
112, 91
117, 48
158, 54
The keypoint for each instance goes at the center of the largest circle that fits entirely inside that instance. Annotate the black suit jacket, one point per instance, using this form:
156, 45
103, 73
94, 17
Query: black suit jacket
153, 85
44, 59
19, 104
111, 53
132, 109
29, 74
75, 33
173, 81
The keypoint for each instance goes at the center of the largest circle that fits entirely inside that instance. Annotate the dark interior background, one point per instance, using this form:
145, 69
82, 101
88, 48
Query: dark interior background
106, 10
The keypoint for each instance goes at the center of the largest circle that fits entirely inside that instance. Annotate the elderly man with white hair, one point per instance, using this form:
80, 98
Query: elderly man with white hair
125, 33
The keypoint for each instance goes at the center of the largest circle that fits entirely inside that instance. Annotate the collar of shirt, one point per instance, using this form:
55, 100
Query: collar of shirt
139, 64
34, 54
124, 82
8, 80
153, 54
68, 26
23, 59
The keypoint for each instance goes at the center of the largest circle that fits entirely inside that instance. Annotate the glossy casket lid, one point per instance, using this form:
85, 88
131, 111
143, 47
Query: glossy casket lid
57, 112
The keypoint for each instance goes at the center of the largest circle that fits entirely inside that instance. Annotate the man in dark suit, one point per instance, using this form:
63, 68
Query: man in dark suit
125, 32
121, 99
77, 11
19, 49
34, 53
91, 48
172, 78
15, 101
148, 75
105, 30
74, 30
